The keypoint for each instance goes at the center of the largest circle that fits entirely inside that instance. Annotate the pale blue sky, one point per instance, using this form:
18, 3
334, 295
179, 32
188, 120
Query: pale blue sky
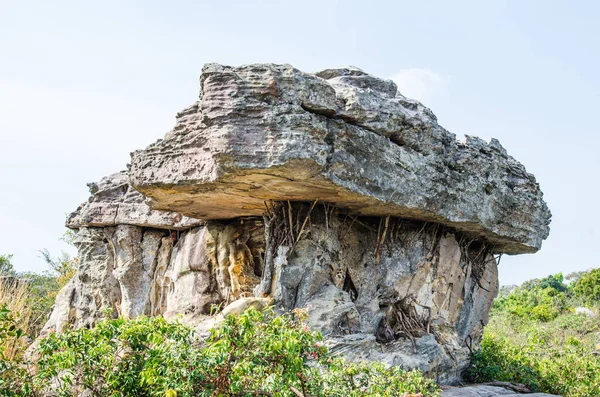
82, 84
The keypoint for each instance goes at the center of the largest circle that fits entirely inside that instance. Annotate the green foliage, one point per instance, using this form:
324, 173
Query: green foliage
555, 282
345, 379
549, 359
541, 299
143, 357
42, 292
13, 374
9, 330
42, 288
63, 267
256, 353
574, 276
534, 338
6, 267
45, 286
587, 286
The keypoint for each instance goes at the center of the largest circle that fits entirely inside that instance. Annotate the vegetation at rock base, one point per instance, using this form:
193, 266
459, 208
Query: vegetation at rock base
536, 338
254, 354
6, 267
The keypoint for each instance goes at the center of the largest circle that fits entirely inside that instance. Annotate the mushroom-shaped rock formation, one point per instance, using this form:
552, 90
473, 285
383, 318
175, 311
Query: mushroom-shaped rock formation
327, 191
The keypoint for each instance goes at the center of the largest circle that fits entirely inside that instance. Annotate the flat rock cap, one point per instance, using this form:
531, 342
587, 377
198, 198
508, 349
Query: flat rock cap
271, 132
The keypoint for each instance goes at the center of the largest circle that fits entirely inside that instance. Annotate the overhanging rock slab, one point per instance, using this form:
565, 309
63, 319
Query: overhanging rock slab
114, 202
271, 132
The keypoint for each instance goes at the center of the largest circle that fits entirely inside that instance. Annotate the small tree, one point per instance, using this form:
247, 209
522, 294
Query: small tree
6, 267
588, 287
63, 266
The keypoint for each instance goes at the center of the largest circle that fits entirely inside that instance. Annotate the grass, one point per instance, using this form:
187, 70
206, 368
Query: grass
17, 297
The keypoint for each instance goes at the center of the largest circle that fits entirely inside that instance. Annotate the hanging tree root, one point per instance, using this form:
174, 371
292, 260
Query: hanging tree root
282, 228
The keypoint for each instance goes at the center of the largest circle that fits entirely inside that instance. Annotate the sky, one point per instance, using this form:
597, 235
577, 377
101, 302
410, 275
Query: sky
83, 84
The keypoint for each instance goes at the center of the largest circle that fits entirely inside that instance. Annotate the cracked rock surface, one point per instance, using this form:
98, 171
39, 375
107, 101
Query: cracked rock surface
271, 132
327, 191
114, 202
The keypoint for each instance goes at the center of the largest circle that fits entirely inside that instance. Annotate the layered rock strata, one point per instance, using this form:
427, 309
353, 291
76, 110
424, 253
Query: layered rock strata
272, 132
330, 192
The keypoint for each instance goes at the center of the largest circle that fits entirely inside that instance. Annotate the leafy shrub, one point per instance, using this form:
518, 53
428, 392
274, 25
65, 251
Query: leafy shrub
499, 359
13, 374
343, 379
588, 287
555, 282
534, 338
254, 354
544, 312
43, 288
15, 313
568, 369
33, 294
580, 324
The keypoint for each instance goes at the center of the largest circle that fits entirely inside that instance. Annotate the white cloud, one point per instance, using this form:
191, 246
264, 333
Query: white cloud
420, 84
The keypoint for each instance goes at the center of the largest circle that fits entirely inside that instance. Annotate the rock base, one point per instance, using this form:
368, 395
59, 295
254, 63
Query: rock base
383, 289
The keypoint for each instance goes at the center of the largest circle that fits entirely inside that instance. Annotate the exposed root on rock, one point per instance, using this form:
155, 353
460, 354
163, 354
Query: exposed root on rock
403, 320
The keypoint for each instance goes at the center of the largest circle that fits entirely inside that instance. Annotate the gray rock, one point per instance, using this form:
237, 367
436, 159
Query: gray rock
486, 391
96, 287
129, 270
330, 192
428, 275
271, 132
584, 311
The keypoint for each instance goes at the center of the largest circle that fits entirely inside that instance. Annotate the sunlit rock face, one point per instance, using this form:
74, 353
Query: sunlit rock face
271, 132
330, 192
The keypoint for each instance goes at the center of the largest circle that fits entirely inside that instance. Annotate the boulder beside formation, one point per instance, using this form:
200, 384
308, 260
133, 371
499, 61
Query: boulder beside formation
330, 192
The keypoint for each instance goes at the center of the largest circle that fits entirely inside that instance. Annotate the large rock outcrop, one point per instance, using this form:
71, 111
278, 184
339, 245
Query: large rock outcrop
331, 192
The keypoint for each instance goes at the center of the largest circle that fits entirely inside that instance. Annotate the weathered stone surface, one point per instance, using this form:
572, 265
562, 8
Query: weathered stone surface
114, 202
270, 132
357, 277
486, 391
133, 270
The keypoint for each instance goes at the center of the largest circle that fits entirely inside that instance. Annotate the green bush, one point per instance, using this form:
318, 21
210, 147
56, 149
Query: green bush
567, 368
6, 267
534, 338
544, 299
254, 354
13, 373
588, 287
544, 312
